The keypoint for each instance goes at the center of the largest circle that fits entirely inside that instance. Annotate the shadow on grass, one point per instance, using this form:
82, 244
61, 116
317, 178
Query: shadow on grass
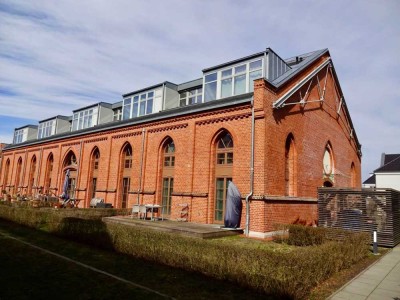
92, 232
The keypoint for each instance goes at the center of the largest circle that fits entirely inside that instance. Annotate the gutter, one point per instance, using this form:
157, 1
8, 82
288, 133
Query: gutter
155, 117
251, 170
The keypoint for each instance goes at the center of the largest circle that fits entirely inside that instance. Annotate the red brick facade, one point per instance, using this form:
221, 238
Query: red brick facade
290, 143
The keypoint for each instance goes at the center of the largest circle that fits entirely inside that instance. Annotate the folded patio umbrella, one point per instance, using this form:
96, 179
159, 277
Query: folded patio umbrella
64, 194
233, 210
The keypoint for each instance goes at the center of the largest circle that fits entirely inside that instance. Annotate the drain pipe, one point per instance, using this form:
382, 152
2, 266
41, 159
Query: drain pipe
251, 170
141, 165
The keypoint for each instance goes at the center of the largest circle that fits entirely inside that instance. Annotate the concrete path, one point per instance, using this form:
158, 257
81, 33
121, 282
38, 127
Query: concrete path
380, 281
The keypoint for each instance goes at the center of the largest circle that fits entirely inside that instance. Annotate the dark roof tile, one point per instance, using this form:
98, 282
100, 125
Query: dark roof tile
391, 164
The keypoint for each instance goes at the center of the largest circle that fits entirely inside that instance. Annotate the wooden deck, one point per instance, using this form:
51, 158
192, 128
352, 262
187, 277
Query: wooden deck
195, 230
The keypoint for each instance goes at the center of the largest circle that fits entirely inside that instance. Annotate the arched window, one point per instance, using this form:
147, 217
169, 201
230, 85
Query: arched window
168, 175
70, 163
18, 175
70, 160
328, 166
353, 176
6, 172
32, 172
328, 161
290, 167
94, 163
125, 175
49, 172
223, 173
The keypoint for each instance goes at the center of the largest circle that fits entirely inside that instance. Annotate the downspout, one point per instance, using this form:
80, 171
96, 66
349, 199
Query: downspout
251, 170
141, 165
79, 166
24, 173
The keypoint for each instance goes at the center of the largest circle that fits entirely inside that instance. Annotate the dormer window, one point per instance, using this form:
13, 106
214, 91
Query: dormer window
255, 72
46, 129
210, 87
233, 80
191, 97
24, 134
18, 136
85, 118
117, 114
138, 105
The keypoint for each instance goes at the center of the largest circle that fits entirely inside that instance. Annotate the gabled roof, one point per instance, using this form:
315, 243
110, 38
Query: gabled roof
304, 60
391, 164
370, 180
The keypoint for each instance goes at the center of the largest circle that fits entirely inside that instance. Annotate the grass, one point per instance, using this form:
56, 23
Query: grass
32, 274
274, 268
331, 285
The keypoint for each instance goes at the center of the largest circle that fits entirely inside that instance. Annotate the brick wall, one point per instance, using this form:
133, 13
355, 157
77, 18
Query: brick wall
312, 127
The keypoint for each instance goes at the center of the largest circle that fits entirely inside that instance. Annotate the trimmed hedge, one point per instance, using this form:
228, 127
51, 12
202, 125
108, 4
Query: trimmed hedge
289, 274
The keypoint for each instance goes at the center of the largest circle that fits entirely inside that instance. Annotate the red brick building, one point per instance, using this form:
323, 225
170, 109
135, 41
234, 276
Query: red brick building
279, 129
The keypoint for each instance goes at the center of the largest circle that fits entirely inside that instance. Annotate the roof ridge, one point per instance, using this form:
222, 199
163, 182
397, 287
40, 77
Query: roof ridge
388, 163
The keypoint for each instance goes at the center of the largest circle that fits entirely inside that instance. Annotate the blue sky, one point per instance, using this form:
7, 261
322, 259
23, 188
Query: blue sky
57, 56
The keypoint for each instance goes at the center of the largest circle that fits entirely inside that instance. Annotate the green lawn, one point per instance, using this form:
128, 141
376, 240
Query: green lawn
29, 273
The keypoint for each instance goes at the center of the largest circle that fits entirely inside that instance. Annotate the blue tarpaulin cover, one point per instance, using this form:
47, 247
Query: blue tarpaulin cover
233, 209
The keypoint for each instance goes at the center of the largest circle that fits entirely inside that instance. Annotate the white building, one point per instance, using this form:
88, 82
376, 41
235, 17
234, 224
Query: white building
387, 175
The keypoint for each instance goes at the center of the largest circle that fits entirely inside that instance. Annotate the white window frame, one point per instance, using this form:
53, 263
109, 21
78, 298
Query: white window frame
232, 67
19, 136
84, 118
187, 95
138, 99
46, 129
117, 114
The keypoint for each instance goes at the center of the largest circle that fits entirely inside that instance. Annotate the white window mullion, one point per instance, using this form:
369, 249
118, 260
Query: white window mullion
218, 96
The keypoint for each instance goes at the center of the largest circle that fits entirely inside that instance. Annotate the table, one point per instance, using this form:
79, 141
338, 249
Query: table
152, 207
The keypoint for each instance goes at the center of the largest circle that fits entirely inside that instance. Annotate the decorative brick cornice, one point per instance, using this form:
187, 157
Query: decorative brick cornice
70, 144
96, 140
166, 128
50, 147
20, 152
223, 119
125, 135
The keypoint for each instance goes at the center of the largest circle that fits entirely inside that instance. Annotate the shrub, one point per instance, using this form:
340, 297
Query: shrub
300, 235
285, 274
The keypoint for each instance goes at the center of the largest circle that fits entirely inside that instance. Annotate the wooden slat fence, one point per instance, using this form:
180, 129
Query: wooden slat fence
362, 210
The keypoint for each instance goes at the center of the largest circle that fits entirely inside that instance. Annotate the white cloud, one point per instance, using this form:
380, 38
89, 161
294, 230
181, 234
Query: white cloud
56, 56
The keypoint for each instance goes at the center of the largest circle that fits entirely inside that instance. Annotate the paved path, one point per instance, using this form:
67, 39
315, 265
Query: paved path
380, 281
